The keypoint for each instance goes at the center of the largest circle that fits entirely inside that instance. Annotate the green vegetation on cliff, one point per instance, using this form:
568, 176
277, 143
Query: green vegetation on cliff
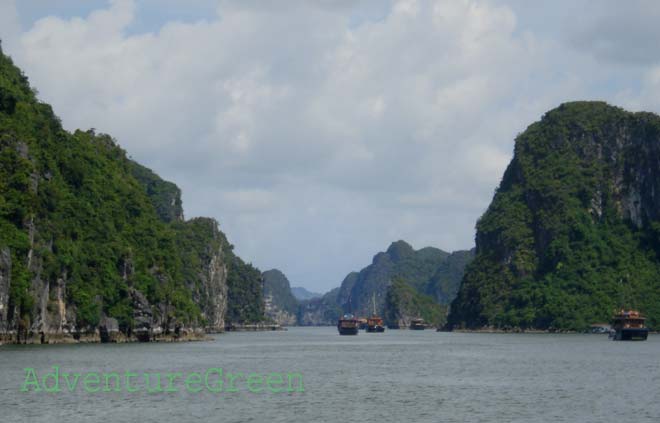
79, 217
277, 287
403, 302
245, 295
445, 282
165, 196
281, 305
70, 202
572, 232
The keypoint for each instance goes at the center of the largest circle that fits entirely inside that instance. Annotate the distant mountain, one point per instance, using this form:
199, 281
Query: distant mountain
280, 304
428, 271
321, 311
303, 294
573, 231
403, 283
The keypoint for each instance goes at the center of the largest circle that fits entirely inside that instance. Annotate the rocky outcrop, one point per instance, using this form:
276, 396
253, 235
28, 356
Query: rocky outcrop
279, 316
211, 275
109, 330
345, 291
280, 304
54, 319
214, 280
93, 246
572, 232
143, 317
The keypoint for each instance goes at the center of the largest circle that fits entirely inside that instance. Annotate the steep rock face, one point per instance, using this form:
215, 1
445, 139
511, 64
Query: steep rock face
214, 281
345, 290
280, 304
572, 231
323, 311
205, 269
93, 246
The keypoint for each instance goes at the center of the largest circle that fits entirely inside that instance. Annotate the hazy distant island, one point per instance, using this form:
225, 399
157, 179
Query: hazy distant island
303, 294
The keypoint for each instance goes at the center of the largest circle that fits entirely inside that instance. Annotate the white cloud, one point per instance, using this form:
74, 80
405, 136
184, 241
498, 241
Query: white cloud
316, 139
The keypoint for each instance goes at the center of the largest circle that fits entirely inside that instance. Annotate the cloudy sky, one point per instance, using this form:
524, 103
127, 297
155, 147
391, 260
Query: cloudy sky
319, 132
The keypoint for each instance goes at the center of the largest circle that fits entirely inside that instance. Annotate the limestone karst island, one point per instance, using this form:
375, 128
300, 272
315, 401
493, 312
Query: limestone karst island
412, 210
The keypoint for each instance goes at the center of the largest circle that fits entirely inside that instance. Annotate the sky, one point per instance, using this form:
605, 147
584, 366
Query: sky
317, 133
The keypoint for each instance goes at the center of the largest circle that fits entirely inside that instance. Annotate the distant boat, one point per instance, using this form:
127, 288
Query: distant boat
629, 326
348, 325
417, 324
375, 322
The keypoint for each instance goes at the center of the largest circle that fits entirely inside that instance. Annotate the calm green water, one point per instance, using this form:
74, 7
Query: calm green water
417, 376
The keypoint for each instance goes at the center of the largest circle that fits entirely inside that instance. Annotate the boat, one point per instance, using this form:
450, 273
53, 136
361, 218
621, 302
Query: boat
417, 324
348, 325
629, 325
375, 323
